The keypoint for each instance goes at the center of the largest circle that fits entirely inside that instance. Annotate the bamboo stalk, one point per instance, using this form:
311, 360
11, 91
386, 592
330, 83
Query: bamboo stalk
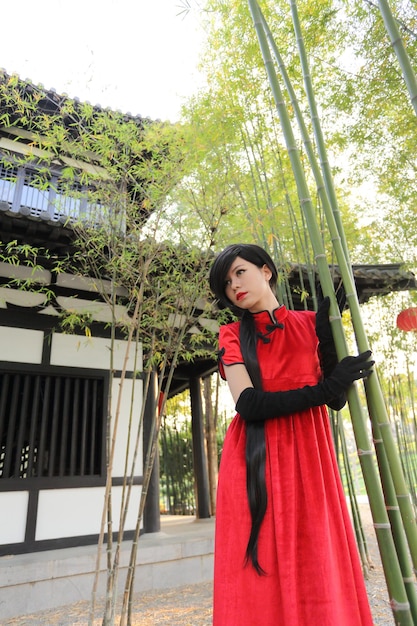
374, 396
324, 183
148, 466
113, 560
324, 161
107, 493
398, 530
399, 49
399, 600
356, 517
128, 477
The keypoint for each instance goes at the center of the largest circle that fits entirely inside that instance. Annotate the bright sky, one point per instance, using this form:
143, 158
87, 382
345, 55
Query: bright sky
137, 56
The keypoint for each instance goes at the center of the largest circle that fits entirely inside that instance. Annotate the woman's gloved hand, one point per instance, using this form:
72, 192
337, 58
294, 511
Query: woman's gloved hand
349, 369
256, 405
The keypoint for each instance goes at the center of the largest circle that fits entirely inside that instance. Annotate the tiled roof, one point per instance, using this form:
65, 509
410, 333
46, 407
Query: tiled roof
52, 102
18, 138
370, 280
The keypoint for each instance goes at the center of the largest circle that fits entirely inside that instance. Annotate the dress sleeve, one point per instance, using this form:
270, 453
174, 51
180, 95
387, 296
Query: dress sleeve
229, 347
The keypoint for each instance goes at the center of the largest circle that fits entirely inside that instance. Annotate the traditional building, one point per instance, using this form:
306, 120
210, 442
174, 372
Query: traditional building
55, 386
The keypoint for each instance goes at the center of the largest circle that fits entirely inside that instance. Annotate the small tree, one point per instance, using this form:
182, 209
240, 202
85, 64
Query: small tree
121, 171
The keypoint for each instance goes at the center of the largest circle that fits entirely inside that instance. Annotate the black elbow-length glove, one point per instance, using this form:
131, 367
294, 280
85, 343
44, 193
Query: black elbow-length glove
256, 405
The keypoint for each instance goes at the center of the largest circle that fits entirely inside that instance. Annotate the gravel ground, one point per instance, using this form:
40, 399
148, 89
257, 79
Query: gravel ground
183, 606
191, 605
375, 583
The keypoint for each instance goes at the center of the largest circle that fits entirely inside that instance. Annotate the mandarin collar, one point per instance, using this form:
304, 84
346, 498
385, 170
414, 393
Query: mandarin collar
266, 323
266, 318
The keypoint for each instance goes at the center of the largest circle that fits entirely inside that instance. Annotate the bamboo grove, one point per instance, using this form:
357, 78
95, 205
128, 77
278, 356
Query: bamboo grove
396, 530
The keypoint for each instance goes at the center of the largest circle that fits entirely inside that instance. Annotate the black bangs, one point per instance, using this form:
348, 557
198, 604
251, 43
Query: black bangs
250, 252
219, 271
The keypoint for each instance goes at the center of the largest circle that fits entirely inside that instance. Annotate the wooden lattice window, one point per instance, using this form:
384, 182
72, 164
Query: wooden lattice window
51, 425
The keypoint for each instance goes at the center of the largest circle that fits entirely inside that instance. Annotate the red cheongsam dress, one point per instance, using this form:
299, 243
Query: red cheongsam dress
306, 544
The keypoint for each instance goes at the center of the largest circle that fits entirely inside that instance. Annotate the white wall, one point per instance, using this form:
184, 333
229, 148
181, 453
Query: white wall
78, 512
130, 409
21, 345
13, 507
92, 352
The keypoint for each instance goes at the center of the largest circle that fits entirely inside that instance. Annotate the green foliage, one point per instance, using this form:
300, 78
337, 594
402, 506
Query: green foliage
176, 458
125, 169
235, 123
376, 124
365, 111
27, 265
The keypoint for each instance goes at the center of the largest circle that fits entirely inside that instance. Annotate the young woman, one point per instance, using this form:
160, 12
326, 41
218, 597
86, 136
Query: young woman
285, 551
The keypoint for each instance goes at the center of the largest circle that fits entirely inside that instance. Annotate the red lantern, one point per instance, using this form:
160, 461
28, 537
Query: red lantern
407, 319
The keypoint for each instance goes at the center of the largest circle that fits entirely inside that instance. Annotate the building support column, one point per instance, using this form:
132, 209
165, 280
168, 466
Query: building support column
199, 450
151, 512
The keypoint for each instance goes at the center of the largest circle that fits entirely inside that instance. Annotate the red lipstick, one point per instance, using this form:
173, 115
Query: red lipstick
240, 295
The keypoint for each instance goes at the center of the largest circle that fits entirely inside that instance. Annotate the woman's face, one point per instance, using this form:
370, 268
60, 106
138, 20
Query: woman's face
247, 286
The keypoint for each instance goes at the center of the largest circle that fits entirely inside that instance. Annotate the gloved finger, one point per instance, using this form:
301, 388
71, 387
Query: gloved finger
356, 360
352, 364
360, 358
360, 367
324, 305
363, 356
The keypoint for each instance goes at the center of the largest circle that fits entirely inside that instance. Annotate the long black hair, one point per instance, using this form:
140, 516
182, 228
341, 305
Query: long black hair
255, 432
